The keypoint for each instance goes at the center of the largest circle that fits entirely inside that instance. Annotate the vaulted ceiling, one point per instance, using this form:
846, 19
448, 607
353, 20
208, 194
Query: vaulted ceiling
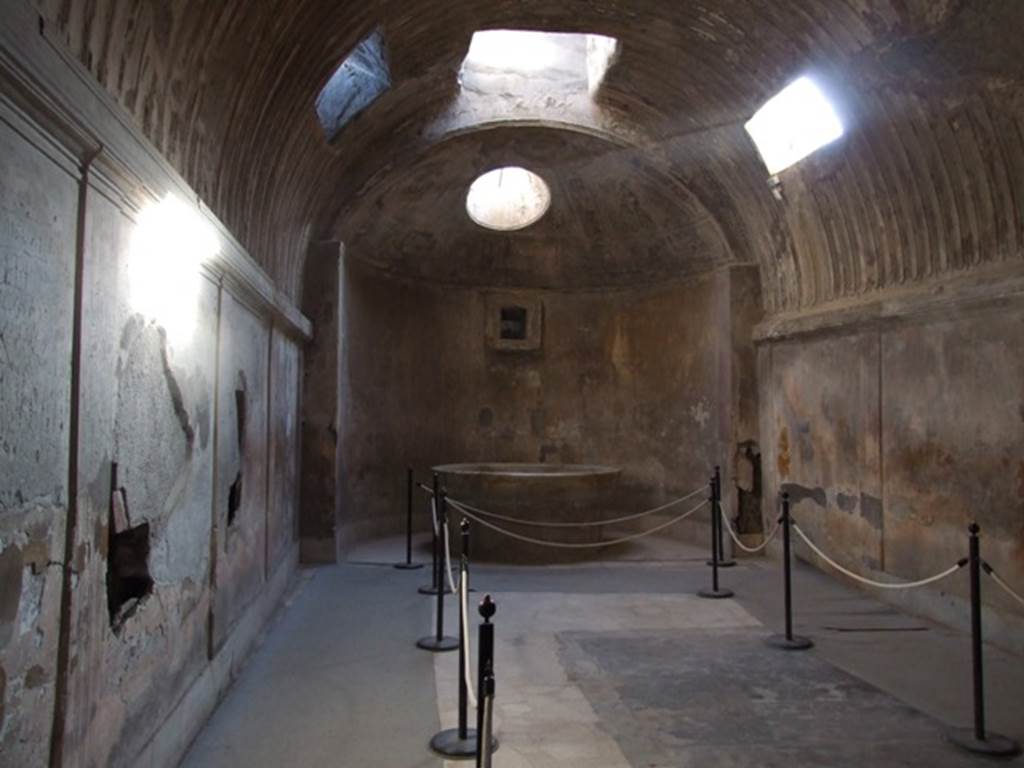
656, 180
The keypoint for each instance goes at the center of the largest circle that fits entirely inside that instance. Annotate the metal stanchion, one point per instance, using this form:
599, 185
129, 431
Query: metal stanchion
408, 565
486, 743
723, 561
460, 742
439, 641
978, 739
435, 525
788, 641
716, 592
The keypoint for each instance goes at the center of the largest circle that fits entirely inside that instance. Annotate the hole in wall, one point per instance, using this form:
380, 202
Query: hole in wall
235, 492
234, 499
128, 579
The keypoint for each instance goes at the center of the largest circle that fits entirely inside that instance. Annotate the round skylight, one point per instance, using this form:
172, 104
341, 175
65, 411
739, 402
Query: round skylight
507, 199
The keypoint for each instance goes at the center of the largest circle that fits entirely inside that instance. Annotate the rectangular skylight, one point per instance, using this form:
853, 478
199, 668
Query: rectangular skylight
794, 123
568, 61
359, 80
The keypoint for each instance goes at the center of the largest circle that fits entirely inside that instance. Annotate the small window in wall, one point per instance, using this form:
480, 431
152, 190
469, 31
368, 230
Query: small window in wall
513, 323
357, 83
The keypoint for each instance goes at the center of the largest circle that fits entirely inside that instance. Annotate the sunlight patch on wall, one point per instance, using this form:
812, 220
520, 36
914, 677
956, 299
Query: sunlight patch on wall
170, 244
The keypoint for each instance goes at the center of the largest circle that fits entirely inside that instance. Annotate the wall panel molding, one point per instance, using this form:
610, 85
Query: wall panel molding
977, 291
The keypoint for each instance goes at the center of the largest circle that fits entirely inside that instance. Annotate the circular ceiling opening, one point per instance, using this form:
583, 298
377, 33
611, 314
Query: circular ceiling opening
507, 199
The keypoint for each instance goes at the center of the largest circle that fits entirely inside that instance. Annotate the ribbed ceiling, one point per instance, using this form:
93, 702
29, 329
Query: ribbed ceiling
928, 181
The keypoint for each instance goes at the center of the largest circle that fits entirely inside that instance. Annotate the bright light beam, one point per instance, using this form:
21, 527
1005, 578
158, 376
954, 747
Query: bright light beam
796, 122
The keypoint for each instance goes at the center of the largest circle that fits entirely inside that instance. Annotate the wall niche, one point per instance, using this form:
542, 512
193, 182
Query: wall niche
514, 322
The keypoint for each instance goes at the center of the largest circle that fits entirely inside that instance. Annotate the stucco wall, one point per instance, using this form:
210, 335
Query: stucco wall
893, 438
640, 379
138, 408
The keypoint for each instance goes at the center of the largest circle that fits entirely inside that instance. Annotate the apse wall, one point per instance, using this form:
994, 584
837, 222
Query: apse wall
643, 378
894, 426
148, 455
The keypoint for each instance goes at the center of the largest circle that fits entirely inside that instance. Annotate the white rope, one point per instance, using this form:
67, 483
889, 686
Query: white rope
1006, 587
464, 596
433, 515
740, 544
566, 545
448, 561
880, 584
587, 524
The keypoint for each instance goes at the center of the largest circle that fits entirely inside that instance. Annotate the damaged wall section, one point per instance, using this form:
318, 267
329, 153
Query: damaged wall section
151, 584
893, 436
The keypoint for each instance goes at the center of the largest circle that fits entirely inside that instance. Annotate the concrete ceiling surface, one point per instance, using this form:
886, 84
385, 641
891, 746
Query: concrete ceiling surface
654, 178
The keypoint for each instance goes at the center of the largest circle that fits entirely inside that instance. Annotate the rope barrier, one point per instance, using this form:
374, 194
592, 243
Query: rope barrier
466, 667
433, 516
880, 584
448, 561
569, 545
1002, 584
752, 550
588, 524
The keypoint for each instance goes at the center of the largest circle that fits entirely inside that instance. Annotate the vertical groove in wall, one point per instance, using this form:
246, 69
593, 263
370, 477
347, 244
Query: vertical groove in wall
881, 451
268, 457
70, 524
213, 471
296, 445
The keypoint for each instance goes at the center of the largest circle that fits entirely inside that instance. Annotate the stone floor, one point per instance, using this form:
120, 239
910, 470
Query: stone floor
607, 665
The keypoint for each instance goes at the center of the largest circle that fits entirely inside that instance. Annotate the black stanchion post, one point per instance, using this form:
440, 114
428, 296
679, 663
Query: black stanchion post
486, 744
460, 742
408, 565
431, 589
788, 641
723, 561
716, 592
978, 739
439, 641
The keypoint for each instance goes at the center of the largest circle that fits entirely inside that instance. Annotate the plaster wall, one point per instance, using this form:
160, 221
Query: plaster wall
37, 242
638, 378
139, 408
892, 438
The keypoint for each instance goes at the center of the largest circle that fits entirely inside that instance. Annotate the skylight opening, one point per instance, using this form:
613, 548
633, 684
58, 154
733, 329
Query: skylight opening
561, 61
356, 84
507, 199
795, 123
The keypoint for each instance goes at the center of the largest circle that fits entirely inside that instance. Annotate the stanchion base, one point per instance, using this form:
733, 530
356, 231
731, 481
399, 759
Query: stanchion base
794, 643
449, 744
993, 744
715, 594
430, 589
408, 566
722, 563
431, 643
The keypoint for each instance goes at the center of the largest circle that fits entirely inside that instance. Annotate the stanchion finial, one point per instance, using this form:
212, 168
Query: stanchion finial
487, 608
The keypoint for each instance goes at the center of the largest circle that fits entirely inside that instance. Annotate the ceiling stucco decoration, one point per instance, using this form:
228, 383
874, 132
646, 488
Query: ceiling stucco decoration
927, 182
